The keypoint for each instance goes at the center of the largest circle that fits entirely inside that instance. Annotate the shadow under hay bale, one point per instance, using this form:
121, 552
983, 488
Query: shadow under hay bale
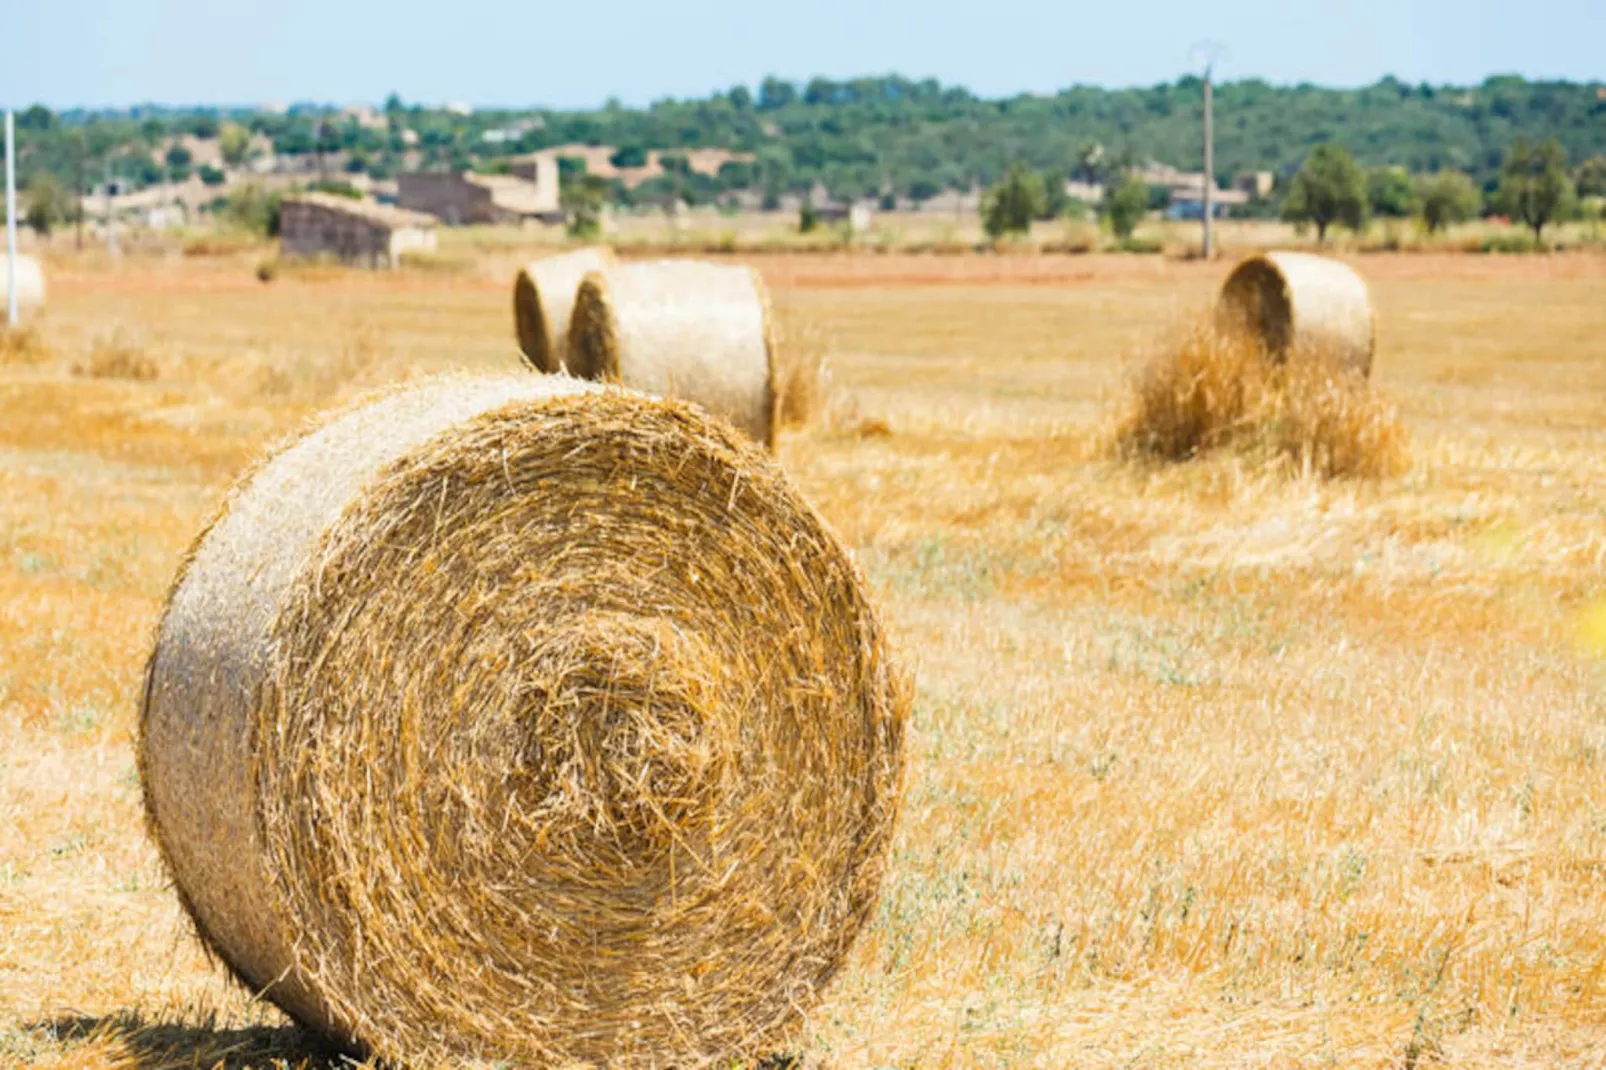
1299, 301
1209, 388
451, 774
685, 329
30, 283
543, 303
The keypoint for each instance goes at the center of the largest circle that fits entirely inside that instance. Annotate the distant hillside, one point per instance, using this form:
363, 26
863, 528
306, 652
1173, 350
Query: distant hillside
871, 135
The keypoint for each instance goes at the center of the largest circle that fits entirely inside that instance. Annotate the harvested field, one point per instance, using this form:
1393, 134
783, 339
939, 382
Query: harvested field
1211, 764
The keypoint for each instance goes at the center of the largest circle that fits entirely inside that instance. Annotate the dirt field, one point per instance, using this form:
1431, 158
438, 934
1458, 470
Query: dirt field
1210, 767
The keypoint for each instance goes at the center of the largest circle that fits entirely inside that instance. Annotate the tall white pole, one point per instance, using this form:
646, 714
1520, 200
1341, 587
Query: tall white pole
111, 228
1209, 170
11, 219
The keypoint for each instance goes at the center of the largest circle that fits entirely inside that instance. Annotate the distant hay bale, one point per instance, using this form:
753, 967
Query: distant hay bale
543, 302
685, 329
30, 287
451, 777
1296, 300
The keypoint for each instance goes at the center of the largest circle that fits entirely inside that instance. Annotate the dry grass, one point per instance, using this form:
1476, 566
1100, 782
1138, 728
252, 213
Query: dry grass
802, 373
1210, 389
23, 345
117, 355
1209, 767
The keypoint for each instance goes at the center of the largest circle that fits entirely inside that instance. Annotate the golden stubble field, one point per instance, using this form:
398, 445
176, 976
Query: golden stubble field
1210, 766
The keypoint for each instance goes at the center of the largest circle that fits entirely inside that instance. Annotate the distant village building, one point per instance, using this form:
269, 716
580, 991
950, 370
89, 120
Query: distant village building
322, 224
364, 116
1086, 192
597, 161
1185, 191
540, 169
459, 198
1258, 184
859, 215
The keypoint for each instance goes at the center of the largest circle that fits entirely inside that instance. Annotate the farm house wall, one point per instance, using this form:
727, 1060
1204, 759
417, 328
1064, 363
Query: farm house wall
313, 230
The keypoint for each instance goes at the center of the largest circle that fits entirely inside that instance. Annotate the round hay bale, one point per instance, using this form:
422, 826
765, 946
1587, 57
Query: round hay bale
30, 287
523, 720
543, 302
681, 328
1299, 301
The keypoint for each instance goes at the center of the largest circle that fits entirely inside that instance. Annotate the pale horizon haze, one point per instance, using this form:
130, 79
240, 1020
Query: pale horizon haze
492, 53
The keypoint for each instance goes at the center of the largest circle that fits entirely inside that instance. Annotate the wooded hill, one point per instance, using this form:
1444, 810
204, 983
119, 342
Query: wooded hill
871, 135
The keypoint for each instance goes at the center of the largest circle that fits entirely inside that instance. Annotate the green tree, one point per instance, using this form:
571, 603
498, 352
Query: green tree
1089, 161
252, 208
1447, 197
234, 141
1125, 204
1011, 205
1591, 177
1054, 196
178, 163
46, 204
38, 118
211, 175
1390, 193
583, 202
629, 156
1329, 188
1534, 187
736, 174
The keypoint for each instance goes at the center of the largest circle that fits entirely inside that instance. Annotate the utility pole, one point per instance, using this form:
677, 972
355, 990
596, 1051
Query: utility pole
1208, 52
1209, 172
79, 179
11, 219
111, 228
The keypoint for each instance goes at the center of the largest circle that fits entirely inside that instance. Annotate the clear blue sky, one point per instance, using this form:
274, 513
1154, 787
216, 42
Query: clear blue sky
577, 53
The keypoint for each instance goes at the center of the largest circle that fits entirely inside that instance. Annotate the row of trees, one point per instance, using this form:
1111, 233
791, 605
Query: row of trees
1535, 188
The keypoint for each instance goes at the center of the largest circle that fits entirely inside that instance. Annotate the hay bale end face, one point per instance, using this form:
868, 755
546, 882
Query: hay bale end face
685, 329
1300, 301
543, 302
30, 283
528, 721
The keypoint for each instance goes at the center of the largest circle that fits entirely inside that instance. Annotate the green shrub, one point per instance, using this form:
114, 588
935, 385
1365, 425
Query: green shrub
253, 209
1125, 204
1010, 206
1516, 242
1130, 244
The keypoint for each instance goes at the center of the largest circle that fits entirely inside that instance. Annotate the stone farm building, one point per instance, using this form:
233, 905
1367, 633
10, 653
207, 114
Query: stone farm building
465, 197
321, 224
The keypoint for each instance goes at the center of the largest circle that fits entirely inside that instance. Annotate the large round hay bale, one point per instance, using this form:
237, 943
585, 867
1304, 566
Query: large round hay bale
1297, 301
30, 287
527, 721
681, 328
543, 302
